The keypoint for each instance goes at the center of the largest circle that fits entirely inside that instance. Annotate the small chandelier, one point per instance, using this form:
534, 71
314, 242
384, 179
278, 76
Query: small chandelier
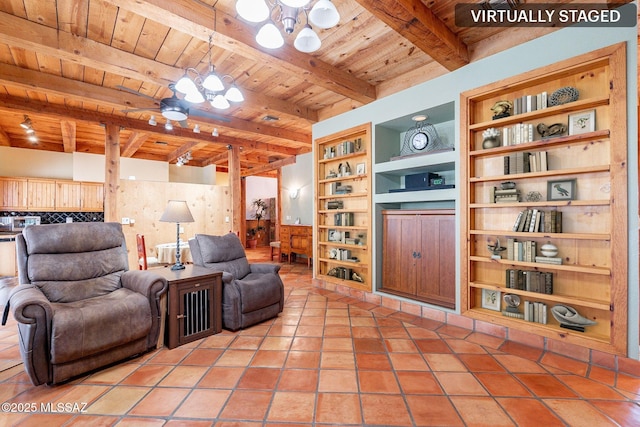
209, 88
323, 15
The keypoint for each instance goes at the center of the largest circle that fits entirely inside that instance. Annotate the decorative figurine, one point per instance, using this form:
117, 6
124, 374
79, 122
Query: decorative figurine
556, 129
502, 109
533, 196
496, 249
512, 301
549, 250
491, 138
569, 318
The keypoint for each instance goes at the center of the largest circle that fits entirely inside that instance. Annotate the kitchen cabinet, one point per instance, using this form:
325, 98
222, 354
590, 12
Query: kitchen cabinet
91, 196
13, 194
419, 255
41, 194
8, 265
68, 197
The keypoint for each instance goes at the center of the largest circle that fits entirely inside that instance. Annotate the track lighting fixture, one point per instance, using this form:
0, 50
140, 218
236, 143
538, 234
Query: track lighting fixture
196, 128
152, 121
28, 129
215, 132
184, 159
323, 15
209, 87
26, 124
168, 125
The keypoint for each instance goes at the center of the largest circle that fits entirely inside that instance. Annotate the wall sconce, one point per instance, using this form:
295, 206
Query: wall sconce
294, 193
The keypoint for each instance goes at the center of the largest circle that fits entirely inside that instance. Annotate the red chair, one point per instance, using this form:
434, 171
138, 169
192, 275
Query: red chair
144, 262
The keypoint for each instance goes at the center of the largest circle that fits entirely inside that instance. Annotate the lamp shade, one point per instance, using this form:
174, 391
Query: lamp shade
295, 3
234, 94
177, 211
269, 36
252, 10
186, 85
324, 14
307, 40
213, 82
220, 102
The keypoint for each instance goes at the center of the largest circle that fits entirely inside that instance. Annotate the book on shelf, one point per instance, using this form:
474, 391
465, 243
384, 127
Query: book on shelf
549, 260
535, 311
536, 220
525, 162
528, 103
529, 280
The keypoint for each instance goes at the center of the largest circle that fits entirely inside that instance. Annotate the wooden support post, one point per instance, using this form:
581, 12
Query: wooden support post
237, 221
278, 210
112, 172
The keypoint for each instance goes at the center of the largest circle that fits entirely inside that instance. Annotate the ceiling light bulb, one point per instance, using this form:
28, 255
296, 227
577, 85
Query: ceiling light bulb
307, 40
252, 10
269, 36
26, 124
152, 121
194, 97
33, 138
215, 132
220, 102
234, 94
324, 14
168, 125
295, 3
196, 129
186, 85
30, 131
212, 82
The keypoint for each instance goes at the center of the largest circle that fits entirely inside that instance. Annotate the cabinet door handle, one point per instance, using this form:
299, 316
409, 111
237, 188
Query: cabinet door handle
417, 255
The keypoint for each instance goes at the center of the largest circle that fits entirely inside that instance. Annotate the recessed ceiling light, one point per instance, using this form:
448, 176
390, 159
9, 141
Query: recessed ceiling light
419, 117
161, 143
269, 118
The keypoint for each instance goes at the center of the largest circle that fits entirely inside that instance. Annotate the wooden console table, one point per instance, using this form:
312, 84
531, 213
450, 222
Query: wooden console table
194, 303
296, 239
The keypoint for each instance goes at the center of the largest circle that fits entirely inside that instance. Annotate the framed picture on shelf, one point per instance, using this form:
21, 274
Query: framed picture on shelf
582, 122
361, 169
491, 299
564, 189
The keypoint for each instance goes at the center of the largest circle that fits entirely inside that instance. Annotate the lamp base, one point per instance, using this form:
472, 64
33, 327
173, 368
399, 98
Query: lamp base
177, 266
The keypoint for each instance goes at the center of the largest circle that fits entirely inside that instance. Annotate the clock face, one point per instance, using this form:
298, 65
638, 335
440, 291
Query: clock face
419, 141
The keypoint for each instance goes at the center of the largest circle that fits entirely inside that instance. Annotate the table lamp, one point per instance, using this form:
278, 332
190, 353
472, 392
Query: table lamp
177, 211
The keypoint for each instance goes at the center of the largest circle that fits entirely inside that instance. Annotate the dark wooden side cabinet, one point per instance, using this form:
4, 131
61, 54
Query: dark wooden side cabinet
418, 260
194, 304
296, 239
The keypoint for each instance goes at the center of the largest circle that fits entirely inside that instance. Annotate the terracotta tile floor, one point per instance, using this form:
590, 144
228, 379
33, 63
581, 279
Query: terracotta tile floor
330, 360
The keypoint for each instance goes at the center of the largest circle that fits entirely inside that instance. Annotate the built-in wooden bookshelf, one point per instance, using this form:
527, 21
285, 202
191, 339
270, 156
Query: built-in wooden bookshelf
592, 278
343, 208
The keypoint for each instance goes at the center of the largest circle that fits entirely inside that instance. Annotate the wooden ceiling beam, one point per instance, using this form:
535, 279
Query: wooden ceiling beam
269, 166
43, 108
200, 21
89, 53
222, 157
5, 141
135, 141
417, 23
80, 91
68, 129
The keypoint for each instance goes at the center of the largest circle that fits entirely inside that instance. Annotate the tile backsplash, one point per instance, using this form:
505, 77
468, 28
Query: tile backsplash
59, 217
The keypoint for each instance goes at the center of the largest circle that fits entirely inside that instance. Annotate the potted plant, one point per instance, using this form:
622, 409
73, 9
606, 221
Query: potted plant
259, 207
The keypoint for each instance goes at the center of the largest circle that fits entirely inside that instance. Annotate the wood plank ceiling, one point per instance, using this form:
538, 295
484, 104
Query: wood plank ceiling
73, 66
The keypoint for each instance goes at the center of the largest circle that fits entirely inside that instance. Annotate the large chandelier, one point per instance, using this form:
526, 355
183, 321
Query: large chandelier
323, 15
209, 88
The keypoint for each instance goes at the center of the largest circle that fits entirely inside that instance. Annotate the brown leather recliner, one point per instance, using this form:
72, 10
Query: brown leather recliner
78, 306
251, 293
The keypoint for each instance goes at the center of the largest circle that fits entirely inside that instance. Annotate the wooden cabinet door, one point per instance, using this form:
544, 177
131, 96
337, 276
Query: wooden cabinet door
399, 254
41, 194
13, 194
91, 197
436, 269
67, 196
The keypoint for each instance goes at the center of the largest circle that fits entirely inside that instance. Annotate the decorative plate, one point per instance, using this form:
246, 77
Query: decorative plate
563, 95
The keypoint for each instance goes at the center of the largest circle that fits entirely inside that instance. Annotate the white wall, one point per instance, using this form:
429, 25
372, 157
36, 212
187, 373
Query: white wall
259, 187
298, 176
20, 162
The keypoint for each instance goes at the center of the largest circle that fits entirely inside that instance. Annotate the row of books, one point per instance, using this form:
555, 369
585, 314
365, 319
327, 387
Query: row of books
519, 133
342, 149
529, 280
523, 162
528, 103
521, 251
535, 311
345, 219
538, 221
339, 188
